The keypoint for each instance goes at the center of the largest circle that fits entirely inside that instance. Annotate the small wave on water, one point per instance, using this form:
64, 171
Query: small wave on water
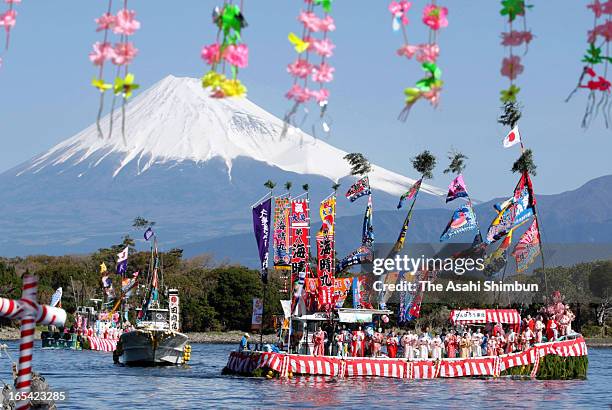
92, 381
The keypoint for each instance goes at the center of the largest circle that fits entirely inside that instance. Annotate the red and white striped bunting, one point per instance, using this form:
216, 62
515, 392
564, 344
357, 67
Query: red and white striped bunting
101, 344
329, 366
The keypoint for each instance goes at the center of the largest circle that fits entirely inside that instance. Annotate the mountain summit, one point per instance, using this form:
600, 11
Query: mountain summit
190, 162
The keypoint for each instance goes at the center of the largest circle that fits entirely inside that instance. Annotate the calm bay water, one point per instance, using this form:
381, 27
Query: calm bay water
94, 382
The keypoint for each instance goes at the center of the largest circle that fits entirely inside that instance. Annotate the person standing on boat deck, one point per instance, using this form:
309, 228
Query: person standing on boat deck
510, 341
492, 346
376, 343
451, 344
483, 345
339, 343
464, 346
392, 345
424, 342
436, 347
476, 342
404, 342
357, 348
319, 343
346, 341
244, 342
539, 328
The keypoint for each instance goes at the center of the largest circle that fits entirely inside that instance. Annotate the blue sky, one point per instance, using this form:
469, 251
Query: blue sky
45, 95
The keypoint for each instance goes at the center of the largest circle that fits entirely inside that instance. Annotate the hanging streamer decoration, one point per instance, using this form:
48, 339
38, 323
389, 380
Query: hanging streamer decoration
430, 86
596, 60
228, 54
512, 65
121, 54
313, 49
8, 19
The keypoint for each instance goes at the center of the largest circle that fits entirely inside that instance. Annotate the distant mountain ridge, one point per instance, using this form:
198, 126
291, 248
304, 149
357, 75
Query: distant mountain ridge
192, 163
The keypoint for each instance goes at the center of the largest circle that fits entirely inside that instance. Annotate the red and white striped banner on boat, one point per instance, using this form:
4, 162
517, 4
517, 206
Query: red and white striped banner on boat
101, 344
466, 316
330, 366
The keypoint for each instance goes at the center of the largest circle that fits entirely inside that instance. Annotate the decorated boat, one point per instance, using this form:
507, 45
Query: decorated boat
156, 339
320, 331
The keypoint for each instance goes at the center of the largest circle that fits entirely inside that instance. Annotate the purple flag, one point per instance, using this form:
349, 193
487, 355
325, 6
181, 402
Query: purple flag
456, 189
261, 227
148, 233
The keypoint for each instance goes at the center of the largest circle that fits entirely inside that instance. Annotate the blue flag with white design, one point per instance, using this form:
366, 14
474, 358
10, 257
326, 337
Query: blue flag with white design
122, 261
148, 234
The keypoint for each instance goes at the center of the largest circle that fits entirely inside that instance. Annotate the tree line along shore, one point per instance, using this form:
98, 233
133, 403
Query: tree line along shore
216, 298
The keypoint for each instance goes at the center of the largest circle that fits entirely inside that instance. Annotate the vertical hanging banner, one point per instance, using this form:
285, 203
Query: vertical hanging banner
325, 254
299, 238
173, 304
281, 246
342, 287
257, 317
261, 227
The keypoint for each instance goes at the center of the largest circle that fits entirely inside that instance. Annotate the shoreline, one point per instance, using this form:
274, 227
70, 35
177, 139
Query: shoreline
234, 336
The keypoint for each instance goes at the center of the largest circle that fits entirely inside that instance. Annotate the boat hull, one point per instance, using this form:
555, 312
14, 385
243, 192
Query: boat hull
151, 348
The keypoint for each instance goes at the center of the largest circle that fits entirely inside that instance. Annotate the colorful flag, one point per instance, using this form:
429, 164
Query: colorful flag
513, 138
456, 189
280, 242
513, 212
410, 193
463, 220
361, 255
325, 254
497, 260
122, 261
148, 233
257, 316
359, 189
56, 298
342, 287
103, 267
367, 232
261, 228
528, 247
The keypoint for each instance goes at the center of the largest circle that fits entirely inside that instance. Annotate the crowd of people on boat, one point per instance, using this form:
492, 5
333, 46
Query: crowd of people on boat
492, 339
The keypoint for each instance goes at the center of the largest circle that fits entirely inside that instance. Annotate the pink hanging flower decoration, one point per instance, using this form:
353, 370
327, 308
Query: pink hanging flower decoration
124, 53
309, 20
323, 73
604, 30
607, 7
211, 54
407, 50
106, 21
8, 20
400, 10
320, 95
298, 94
435, 17
516, 38
324, 48
428, 53
237, 55
597, 8
512, 67
101, 52
300, 68
433, 96
126, 22
327, 24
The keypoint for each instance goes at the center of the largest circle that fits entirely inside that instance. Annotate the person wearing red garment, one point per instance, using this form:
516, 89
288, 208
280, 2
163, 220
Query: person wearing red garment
392, 345
358, 345
451, 344
319, 343
531, 323
376, 343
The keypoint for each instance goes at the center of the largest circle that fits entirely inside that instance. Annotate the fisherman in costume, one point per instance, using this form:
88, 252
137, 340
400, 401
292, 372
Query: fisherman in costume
392, 345
376, 343
436, 347
451, 344
358, 346
476, 343
539, 329
424, 342
511, 341
319, 343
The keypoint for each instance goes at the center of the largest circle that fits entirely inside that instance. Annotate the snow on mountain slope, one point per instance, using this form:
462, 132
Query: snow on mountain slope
177, 121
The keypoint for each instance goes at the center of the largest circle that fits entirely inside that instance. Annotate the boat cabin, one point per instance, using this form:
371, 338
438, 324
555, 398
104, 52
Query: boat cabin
157, 318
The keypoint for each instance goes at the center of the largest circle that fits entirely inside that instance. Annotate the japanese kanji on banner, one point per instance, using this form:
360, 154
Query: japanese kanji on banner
282, 257
325, 254
299, 227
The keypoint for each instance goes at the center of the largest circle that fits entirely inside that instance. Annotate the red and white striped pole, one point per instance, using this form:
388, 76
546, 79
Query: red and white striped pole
30, 313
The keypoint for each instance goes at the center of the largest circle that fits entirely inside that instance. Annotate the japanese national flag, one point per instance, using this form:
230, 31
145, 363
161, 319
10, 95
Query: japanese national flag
513, 137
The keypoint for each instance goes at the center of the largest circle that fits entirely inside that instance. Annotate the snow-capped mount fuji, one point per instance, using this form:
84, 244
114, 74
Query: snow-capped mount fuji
190, 162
